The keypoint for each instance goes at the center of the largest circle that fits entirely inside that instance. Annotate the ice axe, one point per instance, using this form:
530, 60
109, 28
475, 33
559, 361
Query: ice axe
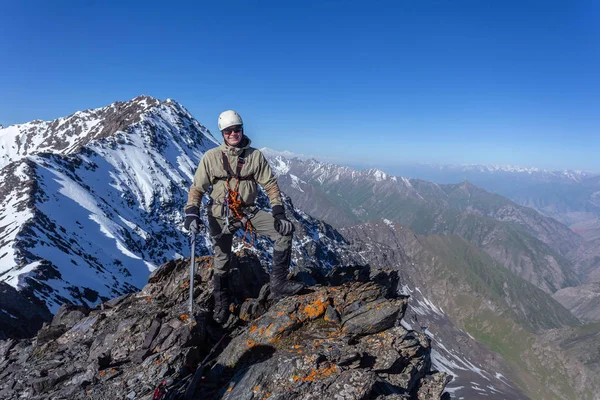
192, 272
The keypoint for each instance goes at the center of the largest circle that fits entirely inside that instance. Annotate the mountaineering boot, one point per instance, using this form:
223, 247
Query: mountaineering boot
221, 296
280, 285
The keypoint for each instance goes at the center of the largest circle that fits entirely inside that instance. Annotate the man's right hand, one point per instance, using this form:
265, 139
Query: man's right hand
192, 223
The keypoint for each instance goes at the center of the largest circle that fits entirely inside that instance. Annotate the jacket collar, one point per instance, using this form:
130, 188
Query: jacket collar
244, 144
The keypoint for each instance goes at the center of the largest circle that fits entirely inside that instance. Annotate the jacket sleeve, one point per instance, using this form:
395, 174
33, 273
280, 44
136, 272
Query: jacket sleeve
200, 185
267, 180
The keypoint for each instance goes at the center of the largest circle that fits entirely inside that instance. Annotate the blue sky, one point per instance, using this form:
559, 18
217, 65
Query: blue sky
371, 82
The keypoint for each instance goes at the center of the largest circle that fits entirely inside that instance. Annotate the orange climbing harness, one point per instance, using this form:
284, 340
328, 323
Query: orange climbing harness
233, 206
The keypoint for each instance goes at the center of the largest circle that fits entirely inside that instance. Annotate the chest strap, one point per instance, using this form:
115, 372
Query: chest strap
238, 169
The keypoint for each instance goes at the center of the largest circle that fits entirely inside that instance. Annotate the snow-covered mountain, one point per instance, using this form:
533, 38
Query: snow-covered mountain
91, 203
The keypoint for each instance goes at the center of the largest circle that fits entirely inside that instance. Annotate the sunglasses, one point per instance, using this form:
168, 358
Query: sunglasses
233, 129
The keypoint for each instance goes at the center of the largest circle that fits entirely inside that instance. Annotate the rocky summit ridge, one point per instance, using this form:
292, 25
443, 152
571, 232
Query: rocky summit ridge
342, 339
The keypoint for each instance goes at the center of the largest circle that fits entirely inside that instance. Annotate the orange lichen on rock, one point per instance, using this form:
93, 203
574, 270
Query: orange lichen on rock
184, 317
320, 373
185, 285
316, 308
102, 373
253, 328
250, 343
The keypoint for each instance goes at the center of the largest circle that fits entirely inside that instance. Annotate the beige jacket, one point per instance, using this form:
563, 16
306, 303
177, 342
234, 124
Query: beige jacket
211, 168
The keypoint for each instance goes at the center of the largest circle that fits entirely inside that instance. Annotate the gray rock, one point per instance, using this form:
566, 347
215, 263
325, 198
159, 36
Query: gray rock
336, 342
68, 315
373, 317
49, 333
432, 386
332, 315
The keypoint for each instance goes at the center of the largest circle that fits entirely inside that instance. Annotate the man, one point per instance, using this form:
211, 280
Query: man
233, 170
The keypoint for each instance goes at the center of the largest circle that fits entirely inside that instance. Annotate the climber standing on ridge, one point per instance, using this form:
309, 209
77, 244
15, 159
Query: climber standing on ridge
233, 170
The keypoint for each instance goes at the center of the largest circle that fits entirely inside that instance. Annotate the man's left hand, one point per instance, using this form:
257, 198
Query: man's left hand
281, 224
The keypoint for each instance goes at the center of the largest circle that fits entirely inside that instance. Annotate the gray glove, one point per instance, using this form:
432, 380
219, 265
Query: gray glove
284, 227
193, 223
281, 224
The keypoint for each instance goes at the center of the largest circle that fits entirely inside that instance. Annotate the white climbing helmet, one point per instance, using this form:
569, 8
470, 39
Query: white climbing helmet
229, 118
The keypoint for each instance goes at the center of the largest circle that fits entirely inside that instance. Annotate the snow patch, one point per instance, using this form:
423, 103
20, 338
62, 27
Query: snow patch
271, 153
444, 364
389, 223
406, 325
280, 166
18, 280
7, 313
453, 389
296, 183
379, 175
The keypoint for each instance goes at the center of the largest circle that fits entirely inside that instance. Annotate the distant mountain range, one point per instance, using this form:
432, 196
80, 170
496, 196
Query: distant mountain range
532, 245
571, 197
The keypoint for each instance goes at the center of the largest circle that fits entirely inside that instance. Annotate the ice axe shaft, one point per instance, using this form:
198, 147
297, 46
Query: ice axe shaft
192, 272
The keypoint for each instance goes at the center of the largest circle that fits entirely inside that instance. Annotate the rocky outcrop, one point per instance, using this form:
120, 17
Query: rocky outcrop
340, 340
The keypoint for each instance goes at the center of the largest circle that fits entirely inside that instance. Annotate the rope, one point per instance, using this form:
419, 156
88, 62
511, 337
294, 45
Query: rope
234, 202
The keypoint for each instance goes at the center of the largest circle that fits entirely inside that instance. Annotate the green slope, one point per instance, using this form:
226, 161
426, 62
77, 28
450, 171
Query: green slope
505, 313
